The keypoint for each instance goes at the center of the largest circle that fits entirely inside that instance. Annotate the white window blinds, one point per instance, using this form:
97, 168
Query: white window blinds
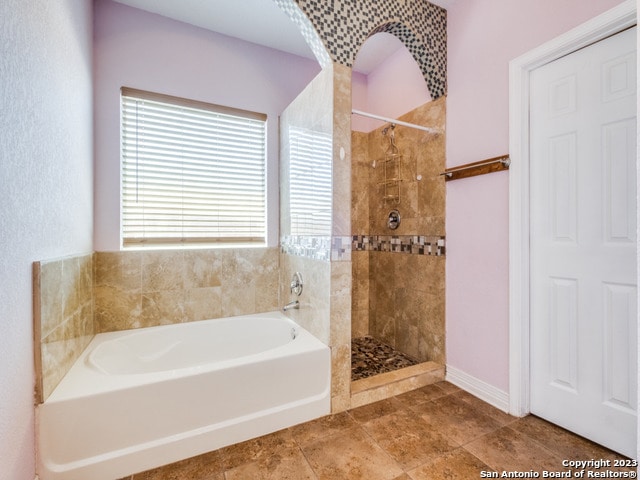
191, 171
310, 182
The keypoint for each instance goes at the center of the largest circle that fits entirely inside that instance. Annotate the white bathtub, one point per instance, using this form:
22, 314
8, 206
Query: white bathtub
138, 399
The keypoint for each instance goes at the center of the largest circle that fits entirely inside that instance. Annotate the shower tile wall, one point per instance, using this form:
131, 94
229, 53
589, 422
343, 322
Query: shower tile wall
63, 317
323, 258
136, 289
399, 296
422, 202
407, 303
360, 169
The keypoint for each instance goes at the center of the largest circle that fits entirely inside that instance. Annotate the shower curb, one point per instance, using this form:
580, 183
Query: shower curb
386, 385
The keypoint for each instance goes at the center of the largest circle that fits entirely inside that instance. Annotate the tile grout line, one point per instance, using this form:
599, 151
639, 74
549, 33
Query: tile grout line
410, 409
366, 433
535, 440
304, 455
462, 445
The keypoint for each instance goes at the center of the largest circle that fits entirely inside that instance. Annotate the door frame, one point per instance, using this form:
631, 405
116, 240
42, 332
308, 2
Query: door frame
609, 23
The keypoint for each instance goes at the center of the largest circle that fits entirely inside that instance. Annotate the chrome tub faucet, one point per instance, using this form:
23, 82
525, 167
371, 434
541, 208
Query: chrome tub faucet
295, 305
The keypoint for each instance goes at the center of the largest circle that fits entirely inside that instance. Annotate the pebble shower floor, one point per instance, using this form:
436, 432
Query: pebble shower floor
370, 357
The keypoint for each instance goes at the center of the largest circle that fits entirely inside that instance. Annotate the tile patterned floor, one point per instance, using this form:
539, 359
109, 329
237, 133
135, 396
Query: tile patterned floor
370, 356
437, 432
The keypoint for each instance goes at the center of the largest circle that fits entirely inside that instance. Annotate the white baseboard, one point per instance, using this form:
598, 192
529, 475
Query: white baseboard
478, 388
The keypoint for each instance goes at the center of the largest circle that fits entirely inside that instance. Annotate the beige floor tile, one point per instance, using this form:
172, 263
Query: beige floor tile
479, 405
456, 465
447, 387
421, 395
506, 449
456, 419
282, 464
375, 410
350, 455
256, 449
203, 467
322, 427
407, 438
564, 443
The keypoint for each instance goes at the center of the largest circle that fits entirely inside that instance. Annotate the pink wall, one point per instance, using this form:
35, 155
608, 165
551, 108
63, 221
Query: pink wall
359, 102
150, 52
483, 36
46, 181
393, 88
396, 86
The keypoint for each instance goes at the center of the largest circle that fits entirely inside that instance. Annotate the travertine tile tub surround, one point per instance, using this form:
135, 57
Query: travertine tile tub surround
136, 289
63, 317
80, 296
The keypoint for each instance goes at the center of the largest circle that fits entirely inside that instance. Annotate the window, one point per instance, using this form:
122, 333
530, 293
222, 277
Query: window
191, 172
310, 183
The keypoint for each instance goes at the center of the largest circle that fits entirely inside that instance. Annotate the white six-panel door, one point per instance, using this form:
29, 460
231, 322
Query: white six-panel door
583, 298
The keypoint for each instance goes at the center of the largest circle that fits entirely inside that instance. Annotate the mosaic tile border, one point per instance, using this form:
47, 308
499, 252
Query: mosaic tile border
411, 244
335, 249
344, 25
341, 249
338, 249
317, 248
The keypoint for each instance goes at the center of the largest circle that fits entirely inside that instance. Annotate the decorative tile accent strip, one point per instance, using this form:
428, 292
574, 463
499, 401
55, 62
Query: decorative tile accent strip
341, 249
337, 249
344, 25
317, 248
412, 244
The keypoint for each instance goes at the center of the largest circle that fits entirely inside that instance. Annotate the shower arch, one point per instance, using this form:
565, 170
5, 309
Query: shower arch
412, 42
336, 30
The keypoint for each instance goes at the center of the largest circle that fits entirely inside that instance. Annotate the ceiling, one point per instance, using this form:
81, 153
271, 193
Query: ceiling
262, 22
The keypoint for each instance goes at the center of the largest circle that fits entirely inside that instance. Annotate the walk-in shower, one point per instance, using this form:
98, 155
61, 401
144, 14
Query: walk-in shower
398, 225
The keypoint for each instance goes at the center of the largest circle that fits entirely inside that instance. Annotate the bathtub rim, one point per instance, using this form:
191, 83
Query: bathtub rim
82, 380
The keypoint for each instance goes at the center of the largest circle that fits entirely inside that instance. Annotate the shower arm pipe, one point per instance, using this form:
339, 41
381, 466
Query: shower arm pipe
396, 122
